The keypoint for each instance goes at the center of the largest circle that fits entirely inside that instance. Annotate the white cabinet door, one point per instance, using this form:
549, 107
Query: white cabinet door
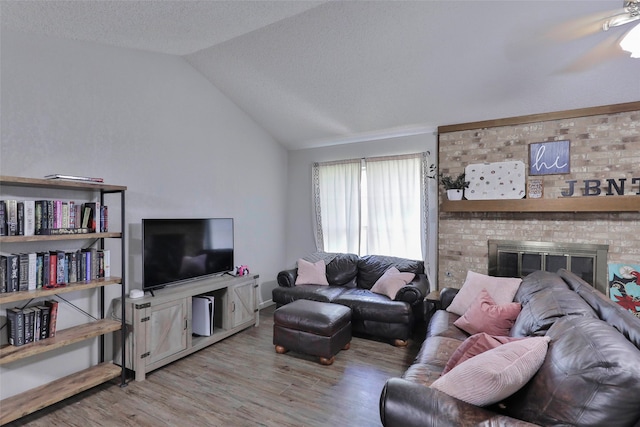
243, 303
167, 330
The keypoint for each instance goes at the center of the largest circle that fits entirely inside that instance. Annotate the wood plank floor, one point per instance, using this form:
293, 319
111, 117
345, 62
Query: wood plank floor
242, 381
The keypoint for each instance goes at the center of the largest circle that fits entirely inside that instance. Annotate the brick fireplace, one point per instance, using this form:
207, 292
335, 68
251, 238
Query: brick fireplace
512, 258
605, 144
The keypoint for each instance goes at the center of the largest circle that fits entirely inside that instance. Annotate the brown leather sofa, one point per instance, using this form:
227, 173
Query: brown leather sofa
590, 375
350, 279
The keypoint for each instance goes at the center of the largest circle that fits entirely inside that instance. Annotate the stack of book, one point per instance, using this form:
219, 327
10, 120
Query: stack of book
76, 178
50, 217
52, 269
32, 323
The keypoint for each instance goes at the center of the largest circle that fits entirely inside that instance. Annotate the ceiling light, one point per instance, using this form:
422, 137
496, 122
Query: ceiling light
631, 42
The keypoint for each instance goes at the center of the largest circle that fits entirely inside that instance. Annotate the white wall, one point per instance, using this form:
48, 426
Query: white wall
152, 123
300, 239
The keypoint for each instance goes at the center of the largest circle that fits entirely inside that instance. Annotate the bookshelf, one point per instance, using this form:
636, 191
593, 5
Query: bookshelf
34, 399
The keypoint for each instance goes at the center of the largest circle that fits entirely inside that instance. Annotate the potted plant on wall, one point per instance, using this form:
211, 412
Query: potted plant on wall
455, 187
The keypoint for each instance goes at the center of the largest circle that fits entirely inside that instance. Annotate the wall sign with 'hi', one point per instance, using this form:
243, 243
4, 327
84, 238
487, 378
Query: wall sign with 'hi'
549, 158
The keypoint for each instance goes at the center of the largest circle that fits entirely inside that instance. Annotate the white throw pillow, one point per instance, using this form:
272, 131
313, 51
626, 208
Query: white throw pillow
501, 289
391, 282
311, 273
496, 374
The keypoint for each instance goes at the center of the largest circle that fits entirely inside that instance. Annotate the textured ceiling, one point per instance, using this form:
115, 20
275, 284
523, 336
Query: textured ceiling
174, 27
316, 73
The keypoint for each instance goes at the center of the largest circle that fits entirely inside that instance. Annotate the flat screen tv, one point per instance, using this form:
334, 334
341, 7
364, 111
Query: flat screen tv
177, 251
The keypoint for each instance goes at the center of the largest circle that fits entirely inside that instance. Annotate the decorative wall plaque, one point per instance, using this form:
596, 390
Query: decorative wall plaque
535, 188
549, 158
501, 180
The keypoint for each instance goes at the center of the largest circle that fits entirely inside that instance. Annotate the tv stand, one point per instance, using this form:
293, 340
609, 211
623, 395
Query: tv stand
159, 327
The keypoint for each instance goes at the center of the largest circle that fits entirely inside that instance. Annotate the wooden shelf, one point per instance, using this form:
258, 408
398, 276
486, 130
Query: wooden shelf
37, 398
39, 238
71, 287
568, 204
11, 353
18, 181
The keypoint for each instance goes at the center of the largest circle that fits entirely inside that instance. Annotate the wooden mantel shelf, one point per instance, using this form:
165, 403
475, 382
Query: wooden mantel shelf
568, 204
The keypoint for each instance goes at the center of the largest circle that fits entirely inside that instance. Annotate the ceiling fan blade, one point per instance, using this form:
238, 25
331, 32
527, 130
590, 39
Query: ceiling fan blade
584, 26
620, 20
608, 49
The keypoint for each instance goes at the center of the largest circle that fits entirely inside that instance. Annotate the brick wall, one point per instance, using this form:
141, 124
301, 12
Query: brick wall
603, 146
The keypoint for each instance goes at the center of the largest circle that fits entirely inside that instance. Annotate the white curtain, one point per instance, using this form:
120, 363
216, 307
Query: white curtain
337, 206
393, 221
372, 206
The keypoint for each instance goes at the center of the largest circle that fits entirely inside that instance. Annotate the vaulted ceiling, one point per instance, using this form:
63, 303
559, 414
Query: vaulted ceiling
315, 73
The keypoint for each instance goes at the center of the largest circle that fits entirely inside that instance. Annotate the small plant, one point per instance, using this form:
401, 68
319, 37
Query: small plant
453, 184
448, 182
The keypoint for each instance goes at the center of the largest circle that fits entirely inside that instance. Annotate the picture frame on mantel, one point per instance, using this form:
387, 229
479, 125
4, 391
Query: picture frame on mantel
535, 188
550, 158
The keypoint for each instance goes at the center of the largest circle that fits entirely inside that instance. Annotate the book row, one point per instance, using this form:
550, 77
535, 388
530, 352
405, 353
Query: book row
37, 270
32, 323
47, 217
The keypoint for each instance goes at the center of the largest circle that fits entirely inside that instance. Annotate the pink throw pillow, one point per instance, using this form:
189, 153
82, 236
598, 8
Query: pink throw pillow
473, 346
501, 289
311, 273
484, 315
391, 282
496, 374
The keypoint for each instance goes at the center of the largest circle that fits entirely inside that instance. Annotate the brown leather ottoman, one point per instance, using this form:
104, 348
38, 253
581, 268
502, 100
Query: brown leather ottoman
314, 328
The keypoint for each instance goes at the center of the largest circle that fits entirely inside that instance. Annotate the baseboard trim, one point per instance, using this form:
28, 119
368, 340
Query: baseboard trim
266, 304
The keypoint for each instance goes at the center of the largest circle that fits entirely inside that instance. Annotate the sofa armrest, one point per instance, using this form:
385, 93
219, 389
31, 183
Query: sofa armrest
415, 291
287, 278
407, 404
446, 296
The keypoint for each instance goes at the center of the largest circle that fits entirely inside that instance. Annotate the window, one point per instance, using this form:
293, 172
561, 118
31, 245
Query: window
372, 206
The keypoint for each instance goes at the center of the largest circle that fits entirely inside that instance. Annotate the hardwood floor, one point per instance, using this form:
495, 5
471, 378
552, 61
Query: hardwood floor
242, 381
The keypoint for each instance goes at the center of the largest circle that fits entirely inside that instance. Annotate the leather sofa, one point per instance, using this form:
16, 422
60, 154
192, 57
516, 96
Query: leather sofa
350, 279
590, 375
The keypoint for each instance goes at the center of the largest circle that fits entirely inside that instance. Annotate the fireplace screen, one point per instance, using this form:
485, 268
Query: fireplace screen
509, 258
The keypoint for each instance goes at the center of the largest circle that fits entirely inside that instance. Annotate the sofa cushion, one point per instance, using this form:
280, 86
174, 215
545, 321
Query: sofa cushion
536, 282
372, 267
473, 346
367, 305
501, 289
282, 295
621, 319
496, 374
391, 282
428, 364
311, 273
422, 373
590, 378
441, 325
484, 315
343, 270
548, 306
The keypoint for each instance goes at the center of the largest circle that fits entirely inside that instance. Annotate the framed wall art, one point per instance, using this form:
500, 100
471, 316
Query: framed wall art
549, 158
493, 181
624, 286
